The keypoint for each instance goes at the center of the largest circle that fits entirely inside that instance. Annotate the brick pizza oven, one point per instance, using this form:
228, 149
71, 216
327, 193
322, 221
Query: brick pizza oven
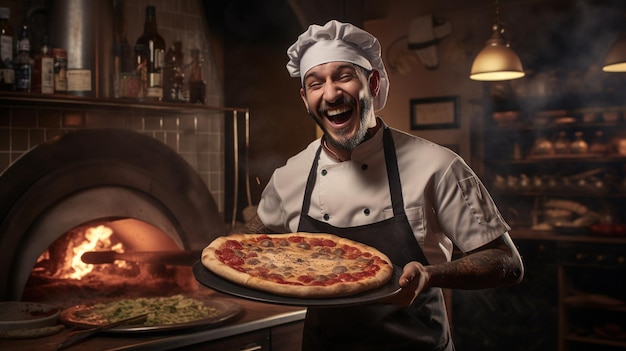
148, 187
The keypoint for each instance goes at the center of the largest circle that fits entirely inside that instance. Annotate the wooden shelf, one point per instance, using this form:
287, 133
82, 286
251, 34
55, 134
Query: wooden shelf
596, 340
530, 234
12, 98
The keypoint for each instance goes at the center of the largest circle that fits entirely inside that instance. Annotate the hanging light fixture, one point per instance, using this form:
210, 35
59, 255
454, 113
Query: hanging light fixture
615, 60
496, 61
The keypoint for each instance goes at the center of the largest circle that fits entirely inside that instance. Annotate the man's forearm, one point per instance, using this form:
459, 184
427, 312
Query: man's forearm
483, 270
255, 226
495, 266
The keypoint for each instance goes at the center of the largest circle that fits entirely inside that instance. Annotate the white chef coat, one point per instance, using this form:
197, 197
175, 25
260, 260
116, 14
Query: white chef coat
444, 200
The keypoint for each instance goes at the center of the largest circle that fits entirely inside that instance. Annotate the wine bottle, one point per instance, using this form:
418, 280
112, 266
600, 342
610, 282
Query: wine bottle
7, 75
155, 46
23, 62
43, 70
173, 77
197, 86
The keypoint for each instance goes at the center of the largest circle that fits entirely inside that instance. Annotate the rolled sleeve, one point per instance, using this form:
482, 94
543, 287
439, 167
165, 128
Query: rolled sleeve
467, 213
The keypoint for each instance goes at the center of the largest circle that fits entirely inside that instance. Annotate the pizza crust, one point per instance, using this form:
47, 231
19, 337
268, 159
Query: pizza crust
294, 261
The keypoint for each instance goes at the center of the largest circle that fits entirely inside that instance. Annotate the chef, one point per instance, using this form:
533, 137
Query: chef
408, 197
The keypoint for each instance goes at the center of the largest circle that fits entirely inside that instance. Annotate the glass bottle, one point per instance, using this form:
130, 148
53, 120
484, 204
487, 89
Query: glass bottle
173, 76
168, 75
598, 145
155, 47
23, 63
60, 70
197, 86
43, 70
179, 76
7, 75
542, 147
138, 88
579, 145
561, 144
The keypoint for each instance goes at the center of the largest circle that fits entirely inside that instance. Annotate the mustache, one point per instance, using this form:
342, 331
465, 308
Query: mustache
344, 100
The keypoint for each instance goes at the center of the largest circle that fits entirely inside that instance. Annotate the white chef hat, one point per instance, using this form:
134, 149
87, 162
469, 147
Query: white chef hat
337, 41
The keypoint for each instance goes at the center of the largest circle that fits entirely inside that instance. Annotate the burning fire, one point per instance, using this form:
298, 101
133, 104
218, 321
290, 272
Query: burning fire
94, 239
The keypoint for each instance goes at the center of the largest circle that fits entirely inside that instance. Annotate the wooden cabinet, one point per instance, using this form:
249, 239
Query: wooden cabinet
284, 337
258, 340
592, 296
287, 337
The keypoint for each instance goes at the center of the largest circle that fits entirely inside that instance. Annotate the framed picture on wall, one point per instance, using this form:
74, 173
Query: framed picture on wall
434, 113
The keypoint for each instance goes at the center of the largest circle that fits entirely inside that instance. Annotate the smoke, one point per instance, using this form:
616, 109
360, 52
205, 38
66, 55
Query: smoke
563, 35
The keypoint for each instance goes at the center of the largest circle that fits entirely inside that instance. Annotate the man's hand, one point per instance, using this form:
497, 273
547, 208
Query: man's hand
412, 282
495, 264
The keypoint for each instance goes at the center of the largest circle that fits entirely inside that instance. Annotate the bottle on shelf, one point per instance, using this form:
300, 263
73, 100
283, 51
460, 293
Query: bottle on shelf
7, 75
561, 144
117, 70
43, 70
129, 82
579, 145
155, 46
598, 145
173, 77
60, 70
23, 62
197, 86
137, 85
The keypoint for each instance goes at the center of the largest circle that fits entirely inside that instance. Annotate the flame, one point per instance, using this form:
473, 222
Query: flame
94, 237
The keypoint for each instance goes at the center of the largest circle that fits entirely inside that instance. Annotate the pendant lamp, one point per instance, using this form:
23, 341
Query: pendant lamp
496, 61
615, 60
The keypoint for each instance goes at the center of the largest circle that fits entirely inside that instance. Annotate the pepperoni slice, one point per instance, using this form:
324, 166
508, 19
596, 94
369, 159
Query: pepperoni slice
228, 256
347, 277
232, 244
233, 261
296, 239
322, 242
372, 268
305, 279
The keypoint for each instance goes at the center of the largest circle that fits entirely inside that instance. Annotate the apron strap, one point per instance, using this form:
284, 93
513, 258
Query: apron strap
310, 183
393, 174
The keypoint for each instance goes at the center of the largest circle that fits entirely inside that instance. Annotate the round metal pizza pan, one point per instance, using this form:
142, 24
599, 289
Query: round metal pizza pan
213, 281
225, 311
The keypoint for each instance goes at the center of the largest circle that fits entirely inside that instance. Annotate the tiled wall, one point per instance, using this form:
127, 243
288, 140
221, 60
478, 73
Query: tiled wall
197, 135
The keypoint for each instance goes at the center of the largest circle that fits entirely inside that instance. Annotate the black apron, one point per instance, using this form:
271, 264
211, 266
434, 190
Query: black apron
377, 327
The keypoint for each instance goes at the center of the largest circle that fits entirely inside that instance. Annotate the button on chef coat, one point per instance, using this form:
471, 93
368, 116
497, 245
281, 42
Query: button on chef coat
444, 200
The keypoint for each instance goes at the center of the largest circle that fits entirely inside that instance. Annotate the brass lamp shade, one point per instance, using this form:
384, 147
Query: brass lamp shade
496, 61
615, 60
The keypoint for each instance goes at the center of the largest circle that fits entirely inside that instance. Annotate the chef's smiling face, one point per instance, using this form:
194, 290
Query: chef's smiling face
337, 96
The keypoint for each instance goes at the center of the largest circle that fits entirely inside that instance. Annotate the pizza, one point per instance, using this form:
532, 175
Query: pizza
168, 310
302, 265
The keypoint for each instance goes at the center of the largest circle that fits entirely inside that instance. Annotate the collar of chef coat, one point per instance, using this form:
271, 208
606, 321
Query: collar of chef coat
363, 150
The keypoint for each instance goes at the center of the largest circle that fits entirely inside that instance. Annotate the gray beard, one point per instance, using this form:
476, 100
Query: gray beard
351, 143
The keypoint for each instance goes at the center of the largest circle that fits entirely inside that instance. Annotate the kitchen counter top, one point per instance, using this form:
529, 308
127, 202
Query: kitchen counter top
254, 316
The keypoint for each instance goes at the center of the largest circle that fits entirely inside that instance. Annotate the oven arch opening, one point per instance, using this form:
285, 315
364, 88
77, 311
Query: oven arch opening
134, 170
114, 206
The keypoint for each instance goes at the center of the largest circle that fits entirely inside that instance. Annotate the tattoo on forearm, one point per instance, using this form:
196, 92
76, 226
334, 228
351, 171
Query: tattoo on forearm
480, 270
255, 226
